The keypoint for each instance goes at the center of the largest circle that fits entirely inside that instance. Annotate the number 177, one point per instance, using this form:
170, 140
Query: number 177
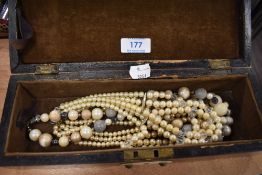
136, 44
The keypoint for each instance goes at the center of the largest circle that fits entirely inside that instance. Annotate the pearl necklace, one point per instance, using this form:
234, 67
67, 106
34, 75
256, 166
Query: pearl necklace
153, 118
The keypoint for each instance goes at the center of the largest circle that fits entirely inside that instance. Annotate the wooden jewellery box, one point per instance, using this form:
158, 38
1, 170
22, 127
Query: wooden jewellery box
61, 50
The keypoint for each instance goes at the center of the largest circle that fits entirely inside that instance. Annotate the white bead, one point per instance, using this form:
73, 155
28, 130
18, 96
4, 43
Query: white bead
34, 134
86, 132
184, 92
72, 115
63, 141
97, 113
54, 116
44, 117
210, 96
108, 121
45, 139
221, 109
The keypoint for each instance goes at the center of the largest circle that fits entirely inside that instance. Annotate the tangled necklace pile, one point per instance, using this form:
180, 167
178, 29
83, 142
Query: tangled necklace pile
151, 118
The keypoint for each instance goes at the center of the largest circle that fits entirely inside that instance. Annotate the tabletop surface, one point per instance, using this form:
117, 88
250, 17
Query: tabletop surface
239, 164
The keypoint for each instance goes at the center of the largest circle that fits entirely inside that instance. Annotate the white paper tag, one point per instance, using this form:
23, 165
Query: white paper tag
135, 45
140, 71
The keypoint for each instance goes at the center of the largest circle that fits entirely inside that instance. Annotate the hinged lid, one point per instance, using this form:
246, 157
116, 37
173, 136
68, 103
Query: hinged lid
184, 34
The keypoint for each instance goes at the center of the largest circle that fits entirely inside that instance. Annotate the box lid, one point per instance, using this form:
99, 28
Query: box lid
89, 32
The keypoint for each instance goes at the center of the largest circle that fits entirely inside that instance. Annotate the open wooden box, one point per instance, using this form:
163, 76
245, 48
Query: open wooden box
75, 51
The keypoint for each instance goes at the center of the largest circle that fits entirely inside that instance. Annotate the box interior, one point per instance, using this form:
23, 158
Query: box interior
42, 96
85, 31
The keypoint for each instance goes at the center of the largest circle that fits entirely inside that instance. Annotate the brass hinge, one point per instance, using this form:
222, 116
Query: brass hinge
148, 154
219, 63
46, 69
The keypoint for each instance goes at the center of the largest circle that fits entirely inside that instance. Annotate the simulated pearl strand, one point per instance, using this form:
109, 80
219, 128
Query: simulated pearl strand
159, 118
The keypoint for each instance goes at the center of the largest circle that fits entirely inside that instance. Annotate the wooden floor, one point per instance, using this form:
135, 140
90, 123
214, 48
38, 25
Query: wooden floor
238, 164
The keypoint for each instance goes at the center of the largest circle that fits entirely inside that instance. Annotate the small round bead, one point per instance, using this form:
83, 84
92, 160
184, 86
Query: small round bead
45, 139
72, 115
86, 114
44, 117
166, 134
162, 94
230, 120
150, 94
189, 134
210, 96
34, 134
175, 130
54, 116
187, 141
169, 127
214, 138
177, 123
194, 141
209, 132
218, 132
108, 121
226, 130
156, 94
172, 138
63, 141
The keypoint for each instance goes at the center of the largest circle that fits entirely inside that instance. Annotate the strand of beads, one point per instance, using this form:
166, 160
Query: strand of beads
153, 118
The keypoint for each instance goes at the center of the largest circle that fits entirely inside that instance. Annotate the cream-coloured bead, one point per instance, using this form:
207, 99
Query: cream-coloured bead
172, 138
141, 94
162, 94
54, 116
213, 114
167, 117
162, 104
97, 113
189, 103
157, 120
184, 92
181, 110
197, 135
146, 142
209, 132
175, 103
169, 127
223, 120
210, 96
187, 141
214, 137
196, 127
175, 130
34, 134
194, 141
63, 141
45, 139
187, 109
156, 104
161, 112
194, 121
166, 134
149, 103
200, 112
86, 132
221, 109
108, 121
195, 104
156, 94
174, 110
177, 123
44, 117
167, 111
169, 104
155, 127
150, 94
72, 115
206, 116
218, 132
204, 124
163, 123
75, 137
212, 127
86, 114
219, 126
160, 131
189, 134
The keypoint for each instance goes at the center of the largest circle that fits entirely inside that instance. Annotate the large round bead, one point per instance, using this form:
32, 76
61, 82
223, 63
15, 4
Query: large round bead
86, 132
184, 92
54, 116
201, 93
72, 115
110, 113
34, 134
45, 139
63, 141
86, 114
44, 117
221, 109
97, 113
100, 125
75, 137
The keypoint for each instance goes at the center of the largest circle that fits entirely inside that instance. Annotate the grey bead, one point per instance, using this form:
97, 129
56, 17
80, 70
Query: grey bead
226, 130
110, 113
201, 93
186, 128
100, 125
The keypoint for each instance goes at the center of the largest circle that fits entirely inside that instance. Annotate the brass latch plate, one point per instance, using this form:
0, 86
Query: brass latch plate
219, 63
148, 154
46, 69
